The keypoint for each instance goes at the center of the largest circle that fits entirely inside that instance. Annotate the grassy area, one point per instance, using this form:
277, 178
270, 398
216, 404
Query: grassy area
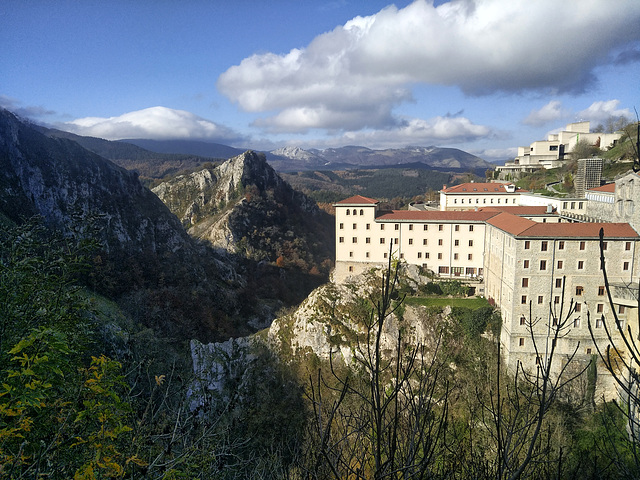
472, 303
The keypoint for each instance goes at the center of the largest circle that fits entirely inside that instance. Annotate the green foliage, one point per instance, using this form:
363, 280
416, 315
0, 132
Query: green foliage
475, 322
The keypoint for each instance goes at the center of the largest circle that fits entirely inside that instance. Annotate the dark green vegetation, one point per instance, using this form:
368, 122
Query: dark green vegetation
388, 183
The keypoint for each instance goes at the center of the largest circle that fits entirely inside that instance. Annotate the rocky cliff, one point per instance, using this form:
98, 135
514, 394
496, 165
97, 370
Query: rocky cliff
68, 186
243, 206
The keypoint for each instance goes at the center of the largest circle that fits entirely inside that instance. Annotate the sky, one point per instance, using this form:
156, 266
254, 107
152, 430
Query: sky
485, 76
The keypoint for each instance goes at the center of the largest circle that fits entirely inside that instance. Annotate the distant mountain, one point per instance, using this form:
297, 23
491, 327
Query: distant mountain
293, 159
149, 164
190, 147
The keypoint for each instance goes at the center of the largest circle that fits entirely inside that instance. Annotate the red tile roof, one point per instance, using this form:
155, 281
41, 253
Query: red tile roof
358, 200
523, 227
609, 187
476, 188
435, 216
519, 209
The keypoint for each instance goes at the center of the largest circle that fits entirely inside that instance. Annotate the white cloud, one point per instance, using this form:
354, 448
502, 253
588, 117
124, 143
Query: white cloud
600, 112
354, 76
438, 130
551, 112
157, 123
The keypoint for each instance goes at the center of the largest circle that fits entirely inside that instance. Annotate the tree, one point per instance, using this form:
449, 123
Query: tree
584, 149
387, 417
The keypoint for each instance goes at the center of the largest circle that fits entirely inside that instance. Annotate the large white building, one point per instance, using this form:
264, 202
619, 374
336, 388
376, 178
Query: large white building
522, 256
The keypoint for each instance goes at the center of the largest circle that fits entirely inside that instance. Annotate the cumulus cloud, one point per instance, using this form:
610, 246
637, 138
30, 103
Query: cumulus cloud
551, 112
354, 76
600, 112
156, 123
438, 130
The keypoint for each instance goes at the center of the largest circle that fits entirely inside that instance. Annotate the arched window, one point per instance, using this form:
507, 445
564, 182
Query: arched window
348, 212
361, 212
355, 212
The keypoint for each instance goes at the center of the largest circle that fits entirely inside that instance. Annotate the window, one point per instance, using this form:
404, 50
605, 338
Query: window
627, 246
470, 256
385, 254
443, 269
354, 212
556, 299
625, 266
523, 300
440, 241
419, 254
439, 256
351, 268
361, 212
621, 309
411, 241
600, 308
525, 264
578, 307
523, 320
521, 341
558, 283
543, 246
527, 244
579, 290
397, 226
540, 299
401, 256
456, 243
341, 226
580, 265
368, 227
543, 264
455, 256
604, 245
341, 240
410, 226
471, 226
348, 212
560, 264
351, 254
382, 241
599, 322
366, 254
471, 243
382, 226
440, 228
426, 254
367, 240
395, 241
588, 351
424, 241
576, 323
354, 240
425, 227
601, 290
561, 245
355, 226
582, 245
525, 282
457, 228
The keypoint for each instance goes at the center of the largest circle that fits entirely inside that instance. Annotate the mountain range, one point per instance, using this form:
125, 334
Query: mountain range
159, 158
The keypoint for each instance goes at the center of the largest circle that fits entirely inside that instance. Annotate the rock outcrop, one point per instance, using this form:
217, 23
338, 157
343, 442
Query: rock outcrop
69, 186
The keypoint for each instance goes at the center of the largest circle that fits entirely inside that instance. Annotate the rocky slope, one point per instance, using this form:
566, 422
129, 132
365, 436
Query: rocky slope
68, 185
243, 206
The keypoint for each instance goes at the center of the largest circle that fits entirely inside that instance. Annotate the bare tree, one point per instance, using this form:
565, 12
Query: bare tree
386, 418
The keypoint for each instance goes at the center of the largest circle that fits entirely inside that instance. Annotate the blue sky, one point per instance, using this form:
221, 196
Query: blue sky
482, 75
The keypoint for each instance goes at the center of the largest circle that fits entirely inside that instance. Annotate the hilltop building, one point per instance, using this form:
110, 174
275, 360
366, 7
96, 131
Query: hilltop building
523, 258
553, 151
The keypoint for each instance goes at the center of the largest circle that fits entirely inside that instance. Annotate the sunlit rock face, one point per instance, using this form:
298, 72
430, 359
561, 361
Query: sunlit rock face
73, 189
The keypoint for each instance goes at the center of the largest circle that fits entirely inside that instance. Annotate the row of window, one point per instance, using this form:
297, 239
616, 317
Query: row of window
544, 245
425, 241
420, 255
396, 226
560, 265
484, 200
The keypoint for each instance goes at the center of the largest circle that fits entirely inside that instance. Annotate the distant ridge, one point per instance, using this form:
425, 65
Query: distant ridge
190, 147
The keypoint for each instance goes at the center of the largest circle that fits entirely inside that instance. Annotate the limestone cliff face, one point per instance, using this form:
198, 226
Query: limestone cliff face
333, 318
67, 185
243, 206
